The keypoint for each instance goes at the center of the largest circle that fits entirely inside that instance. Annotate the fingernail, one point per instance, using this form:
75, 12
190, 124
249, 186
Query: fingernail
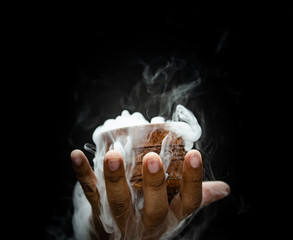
113, 164
76, 159
194, 161
153, 165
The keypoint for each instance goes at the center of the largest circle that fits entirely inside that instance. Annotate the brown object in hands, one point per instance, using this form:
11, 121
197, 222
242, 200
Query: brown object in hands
149, 138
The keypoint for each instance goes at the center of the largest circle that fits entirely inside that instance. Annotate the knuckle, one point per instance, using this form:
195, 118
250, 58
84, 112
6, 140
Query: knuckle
90, 190
157, 183
156, 215
194, 178
114, 178
120, 208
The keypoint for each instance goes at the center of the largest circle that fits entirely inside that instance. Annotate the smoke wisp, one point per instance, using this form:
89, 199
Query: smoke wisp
164, 92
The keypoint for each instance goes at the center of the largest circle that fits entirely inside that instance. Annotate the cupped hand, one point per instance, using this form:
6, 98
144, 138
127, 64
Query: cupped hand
156, 210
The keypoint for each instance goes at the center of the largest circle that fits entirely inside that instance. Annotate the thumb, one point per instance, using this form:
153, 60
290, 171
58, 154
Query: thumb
213, 191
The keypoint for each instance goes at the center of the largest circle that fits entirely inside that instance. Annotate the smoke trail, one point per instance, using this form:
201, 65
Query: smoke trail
105, 138
163, 87
164, 90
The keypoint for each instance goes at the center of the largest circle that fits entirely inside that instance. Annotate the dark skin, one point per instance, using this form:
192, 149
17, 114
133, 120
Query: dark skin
193, 194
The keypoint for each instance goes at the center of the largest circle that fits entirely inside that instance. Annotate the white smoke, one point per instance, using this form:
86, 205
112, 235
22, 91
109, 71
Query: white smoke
183, 123
82, 211
162, 93
162, 88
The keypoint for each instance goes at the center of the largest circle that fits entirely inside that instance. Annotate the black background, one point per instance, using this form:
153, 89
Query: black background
65, 58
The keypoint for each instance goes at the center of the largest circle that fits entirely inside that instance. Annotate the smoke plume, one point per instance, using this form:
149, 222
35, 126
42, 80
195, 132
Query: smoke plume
162, 92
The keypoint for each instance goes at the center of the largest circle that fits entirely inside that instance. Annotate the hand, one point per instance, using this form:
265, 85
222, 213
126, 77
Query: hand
157, 212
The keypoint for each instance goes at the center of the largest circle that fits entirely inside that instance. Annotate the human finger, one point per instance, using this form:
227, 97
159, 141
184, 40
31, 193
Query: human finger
213, 191
191, 186
117, 188
86, 177
88, 182
156, 205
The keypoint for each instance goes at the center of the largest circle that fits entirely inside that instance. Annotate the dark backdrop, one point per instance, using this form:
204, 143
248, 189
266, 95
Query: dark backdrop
77, 58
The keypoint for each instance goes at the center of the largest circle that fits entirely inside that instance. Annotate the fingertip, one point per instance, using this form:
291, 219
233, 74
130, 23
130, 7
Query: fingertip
193, 157
151, 155
153, 162
113, 154
213, 191
220, 187
193, 152
224, 187
77, 157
